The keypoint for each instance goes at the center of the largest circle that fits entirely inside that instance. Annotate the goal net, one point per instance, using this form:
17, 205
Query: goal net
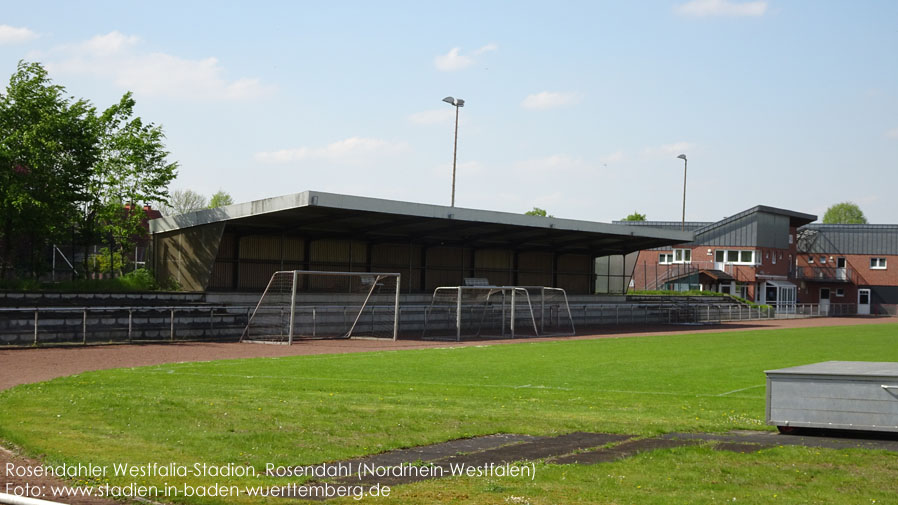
553, 314
460, 312
300, 304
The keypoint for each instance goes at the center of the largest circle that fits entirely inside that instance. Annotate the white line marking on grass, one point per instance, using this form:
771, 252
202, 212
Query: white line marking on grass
347, 379
419, 383
742, 389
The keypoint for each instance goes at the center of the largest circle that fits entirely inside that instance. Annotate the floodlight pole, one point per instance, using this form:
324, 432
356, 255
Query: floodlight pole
455, 103
683, 223
454, 155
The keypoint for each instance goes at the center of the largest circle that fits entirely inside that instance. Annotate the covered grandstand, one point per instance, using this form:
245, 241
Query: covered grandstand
238, 247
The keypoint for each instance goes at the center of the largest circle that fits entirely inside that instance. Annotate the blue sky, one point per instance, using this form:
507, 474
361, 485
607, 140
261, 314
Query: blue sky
577, 107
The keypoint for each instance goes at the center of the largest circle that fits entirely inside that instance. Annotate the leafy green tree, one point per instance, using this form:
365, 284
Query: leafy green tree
538, 212
183, 201
844, 213
220, 199
48, 147
65, 170
132, 171
635, 216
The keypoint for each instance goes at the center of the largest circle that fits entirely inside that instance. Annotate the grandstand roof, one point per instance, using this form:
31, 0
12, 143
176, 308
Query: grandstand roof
319, 214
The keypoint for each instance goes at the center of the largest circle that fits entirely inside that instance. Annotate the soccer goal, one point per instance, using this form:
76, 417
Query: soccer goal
552, 311
458, 312
301, 304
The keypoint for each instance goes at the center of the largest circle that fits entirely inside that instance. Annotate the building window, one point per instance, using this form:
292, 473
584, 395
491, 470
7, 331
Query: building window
840, 292
810, 260
736, 257
665, 258
682, 256
878, 263
822, 260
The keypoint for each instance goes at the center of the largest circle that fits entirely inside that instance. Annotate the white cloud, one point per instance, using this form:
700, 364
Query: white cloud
351, 150
443, 115
455, 60
452, 61
485, 49
15, 35
703, 8
549, 100
892, 134
665, 150
118, 57
613, 157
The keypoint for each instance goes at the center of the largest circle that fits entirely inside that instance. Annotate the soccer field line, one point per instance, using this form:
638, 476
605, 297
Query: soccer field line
449, 384
741, 389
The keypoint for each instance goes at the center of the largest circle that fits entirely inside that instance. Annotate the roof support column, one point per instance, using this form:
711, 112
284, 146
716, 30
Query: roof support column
555, 269
423, 283
235, 277
514, 268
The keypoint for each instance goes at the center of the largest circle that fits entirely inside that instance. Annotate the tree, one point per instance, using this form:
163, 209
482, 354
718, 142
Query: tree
132, 171
635, 216
48, 147
183, 201
65, 170
220, 199
844, 213
538, 212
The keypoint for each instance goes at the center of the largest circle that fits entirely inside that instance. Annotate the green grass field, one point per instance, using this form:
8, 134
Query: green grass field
311, 409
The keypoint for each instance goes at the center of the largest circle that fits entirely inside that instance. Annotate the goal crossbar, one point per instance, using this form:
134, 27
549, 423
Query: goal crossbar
283, 299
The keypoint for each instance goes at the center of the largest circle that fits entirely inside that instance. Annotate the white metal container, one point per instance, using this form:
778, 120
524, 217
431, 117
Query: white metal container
846, 395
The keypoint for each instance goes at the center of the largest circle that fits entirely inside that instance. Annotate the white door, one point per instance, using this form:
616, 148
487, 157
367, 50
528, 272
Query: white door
841, 272
824, 301
863, 301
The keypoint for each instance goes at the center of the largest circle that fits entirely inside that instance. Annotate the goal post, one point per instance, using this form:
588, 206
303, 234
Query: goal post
458, 312
552, 311
314, 304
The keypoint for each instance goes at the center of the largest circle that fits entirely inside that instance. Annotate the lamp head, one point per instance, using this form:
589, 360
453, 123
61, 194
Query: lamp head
681, 157
449, 100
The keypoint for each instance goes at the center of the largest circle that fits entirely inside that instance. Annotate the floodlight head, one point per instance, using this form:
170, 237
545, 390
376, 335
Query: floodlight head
459, 103
449, 100
681, 157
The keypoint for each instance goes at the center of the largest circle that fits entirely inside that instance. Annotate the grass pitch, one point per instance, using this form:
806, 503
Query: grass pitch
311, 409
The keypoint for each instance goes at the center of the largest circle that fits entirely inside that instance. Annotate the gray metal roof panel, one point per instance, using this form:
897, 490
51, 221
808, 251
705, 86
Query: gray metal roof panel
860, 368
819, 238
363, 211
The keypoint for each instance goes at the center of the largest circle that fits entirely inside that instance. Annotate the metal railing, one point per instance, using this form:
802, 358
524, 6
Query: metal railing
827, 274
82, 325
818, 310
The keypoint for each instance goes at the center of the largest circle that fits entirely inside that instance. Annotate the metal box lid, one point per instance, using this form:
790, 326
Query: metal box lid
861, 369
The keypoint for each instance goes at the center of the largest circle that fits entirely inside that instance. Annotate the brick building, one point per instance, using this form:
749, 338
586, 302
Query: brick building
849, 263
778, 257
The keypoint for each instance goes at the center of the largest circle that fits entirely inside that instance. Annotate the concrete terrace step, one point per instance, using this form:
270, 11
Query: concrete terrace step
47, 299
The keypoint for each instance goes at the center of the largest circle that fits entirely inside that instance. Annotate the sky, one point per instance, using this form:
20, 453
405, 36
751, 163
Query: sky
579, 108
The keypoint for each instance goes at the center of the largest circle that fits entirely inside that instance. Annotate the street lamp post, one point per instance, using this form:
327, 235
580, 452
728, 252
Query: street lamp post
456, 103
683, 223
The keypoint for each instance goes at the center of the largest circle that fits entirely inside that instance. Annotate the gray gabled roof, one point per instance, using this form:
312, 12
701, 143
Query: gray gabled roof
315, 213
818, 238
796, 219
759, 226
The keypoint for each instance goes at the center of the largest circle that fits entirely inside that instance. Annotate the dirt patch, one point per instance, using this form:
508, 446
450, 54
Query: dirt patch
38, 487
821, 438
621, 451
